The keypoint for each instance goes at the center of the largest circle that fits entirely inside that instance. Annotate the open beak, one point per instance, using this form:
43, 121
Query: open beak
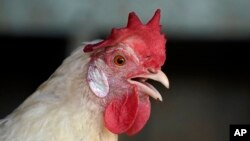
140, 81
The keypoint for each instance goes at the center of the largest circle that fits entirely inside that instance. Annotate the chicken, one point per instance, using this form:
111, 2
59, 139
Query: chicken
98, 92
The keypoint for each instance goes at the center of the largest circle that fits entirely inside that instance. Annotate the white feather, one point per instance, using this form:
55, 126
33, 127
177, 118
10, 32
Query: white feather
62, 109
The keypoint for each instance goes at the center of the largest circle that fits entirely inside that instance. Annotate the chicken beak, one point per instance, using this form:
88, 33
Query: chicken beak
160, 77
148, 88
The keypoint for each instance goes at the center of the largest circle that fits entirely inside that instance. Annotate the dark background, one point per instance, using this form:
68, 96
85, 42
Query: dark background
26, 61
209, 83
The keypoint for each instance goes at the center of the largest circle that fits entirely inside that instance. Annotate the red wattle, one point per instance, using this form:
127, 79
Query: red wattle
120, 115
142, 117
128, 115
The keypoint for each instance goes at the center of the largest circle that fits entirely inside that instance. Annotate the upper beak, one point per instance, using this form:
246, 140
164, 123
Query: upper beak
148, 88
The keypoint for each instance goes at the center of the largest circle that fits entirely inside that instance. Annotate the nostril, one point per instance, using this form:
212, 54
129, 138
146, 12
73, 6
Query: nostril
151, 70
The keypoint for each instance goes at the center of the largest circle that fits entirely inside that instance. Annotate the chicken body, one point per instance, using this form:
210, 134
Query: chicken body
98, 92
57, 111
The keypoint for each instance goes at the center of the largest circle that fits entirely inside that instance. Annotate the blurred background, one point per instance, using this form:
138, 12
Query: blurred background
207, 57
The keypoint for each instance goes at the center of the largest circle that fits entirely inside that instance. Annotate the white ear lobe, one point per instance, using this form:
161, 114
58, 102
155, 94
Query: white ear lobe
98, 81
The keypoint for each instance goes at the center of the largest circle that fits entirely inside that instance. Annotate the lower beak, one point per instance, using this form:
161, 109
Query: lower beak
148, 88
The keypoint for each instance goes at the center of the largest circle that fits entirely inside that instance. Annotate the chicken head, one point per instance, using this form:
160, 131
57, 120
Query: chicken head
118, 70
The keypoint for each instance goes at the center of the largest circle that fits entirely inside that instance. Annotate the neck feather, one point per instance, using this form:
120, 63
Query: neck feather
62, 108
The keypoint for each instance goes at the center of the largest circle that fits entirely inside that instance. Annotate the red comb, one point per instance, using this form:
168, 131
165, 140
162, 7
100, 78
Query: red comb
144, 38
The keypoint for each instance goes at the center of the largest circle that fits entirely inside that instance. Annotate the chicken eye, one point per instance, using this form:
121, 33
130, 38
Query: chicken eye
119, 60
